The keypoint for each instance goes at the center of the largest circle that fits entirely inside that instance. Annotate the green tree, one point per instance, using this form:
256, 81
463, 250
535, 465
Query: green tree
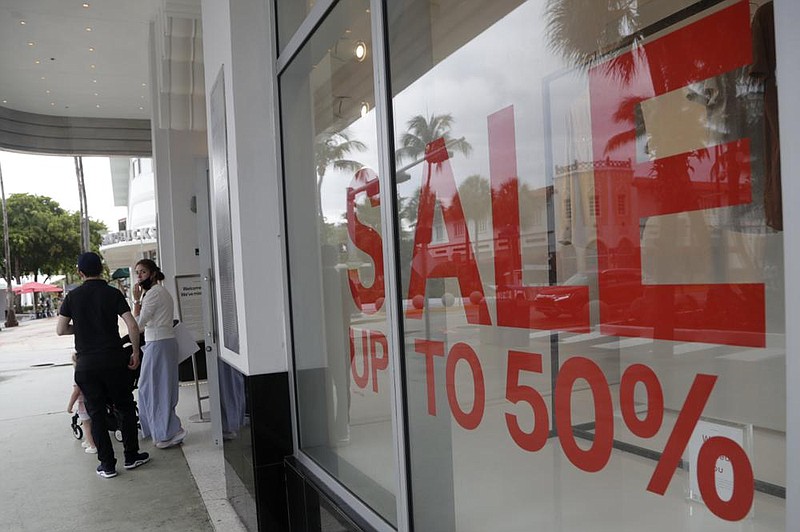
45, 238
35, 232
332, 149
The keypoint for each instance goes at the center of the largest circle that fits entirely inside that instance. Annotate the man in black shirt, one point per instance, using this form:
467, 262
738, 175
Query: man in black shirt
103, 370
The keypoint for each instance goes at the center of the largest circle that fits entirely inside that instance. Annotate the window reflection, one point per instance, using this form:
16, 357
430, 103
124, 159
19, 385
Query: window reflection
334, 239
611, 212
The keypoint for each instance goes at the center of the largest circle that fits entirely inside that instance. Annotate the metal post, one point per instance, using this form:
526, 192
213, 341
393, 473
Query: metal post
11, 317
85, 243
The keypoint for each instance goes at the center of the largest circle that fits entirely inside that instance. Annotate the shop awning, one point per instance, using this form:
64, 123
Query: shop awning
121, 273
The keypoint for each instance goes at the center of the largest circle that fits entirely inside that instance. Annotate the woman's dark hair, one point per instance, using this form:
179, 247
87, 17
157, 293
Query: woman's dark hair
151, 266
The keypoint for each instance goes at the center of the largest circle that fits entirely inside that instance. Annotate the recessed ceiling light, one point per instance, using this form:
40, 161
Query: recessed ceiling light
91, 49
88, 28
144, 84
94, 81
95, 94
360, 51
5, 101
31, 43
22, 22
141, 108
91, 66
47, 91
42, 77
85, 5
98, 106
37, 62
52, 103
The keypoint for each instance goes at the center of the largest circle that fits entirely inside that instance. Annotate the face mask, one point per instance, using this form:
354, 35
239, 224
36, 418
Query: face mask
146, 283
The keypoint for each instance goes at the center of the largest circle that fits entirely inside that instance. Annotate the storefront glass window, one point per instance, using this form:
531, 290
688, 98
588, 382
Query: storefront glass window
591, 264
290, 14
334, 239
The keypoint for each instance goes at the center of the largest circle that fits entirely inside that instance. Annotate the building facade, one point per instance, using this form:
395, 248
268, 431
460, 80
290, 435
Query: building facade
533, 273
468, 265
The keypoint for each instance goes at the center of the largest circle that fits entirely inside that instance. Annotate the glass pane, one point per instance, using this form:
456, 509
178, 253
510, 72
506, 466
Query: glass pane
592, 264
290, 14
336, 258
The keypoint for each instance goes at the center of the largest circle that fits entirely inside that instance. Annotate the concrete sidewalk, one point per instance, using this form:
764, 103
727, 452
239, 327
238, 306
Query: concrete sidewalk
49, 483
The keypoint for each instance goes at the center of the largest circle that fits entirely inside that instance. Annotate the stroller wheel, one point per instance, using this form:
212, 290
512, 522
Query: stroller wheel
77, 431
118, 435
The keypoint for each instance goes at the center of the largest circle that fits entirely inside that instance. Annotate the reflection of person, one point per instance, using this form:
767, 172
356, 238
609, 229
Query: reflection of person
83, 415
763, 68
102, 367
158, 381
232, 400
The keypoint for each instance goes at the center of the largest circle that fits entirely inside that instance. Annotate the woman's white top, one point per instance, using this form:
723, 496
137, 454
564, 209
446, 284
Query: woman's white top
156, 314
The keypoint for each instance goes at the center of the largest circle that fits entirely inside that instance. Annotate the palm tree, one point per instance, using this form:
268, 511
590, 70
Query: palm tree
421, 131
331, 149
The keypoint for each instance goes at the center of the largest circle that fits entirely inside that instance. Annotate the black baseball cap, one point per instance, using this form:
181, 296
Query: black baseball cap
90, 264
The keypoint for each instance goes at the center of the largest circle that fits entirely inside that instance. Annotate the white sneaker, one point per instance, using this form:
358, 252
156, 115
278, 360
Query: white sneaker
175, 440
90, 450
84, 444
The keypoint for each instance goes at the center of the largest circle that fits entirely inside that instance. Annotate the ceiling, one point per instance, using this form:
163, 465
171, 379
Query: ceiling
76, 59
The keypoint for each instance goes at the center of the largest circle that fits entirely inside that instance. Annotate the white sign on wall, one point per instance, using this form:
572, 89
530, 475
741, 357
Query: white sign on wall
190, 303
707, 428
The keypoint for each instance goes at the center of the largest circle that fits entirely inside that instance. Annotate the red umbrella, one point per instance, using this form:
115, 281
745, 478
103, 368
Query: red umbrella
33, 286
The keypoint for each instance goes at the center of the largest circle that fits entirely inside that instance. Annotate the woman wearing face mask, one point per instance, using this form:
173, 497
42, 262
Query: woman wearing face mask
158, 381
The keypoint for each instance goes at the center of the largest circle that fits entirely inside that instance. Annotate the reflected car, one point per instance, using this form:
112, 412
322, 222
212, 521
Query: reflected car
572, 299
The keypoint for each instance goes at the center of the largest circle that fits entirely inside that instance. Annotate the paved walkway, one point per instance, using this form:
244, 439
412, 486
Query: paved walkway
49, 483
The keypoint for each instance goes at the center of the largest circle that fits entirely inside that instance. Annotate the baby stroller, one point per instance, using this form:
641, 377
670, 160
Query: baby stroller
113, 423
113, 417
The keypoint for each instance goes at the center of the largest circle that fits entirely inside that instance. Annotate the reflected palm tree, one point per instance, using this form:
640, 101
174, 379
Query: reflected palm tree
332, 149
581, 32
475, 194
409, 209
421, 131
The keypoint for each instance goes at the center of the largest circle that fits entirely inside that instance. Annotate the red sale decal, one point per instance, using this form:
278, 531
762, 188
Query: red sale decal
367, 240
515, 393
468, 420
738, 506
453, 258
371, 357
514, 299
647, 427
430, 349
361, 378
377, 338
598, 455
720, 176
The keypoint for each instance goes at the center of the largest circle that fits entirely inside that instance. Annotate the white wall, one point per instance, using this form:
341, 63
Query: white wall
242, 29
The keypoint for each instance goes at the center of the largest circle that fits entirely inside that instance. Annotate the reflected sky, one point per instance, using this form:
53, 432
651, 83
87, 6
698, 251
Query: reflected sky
470, 84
